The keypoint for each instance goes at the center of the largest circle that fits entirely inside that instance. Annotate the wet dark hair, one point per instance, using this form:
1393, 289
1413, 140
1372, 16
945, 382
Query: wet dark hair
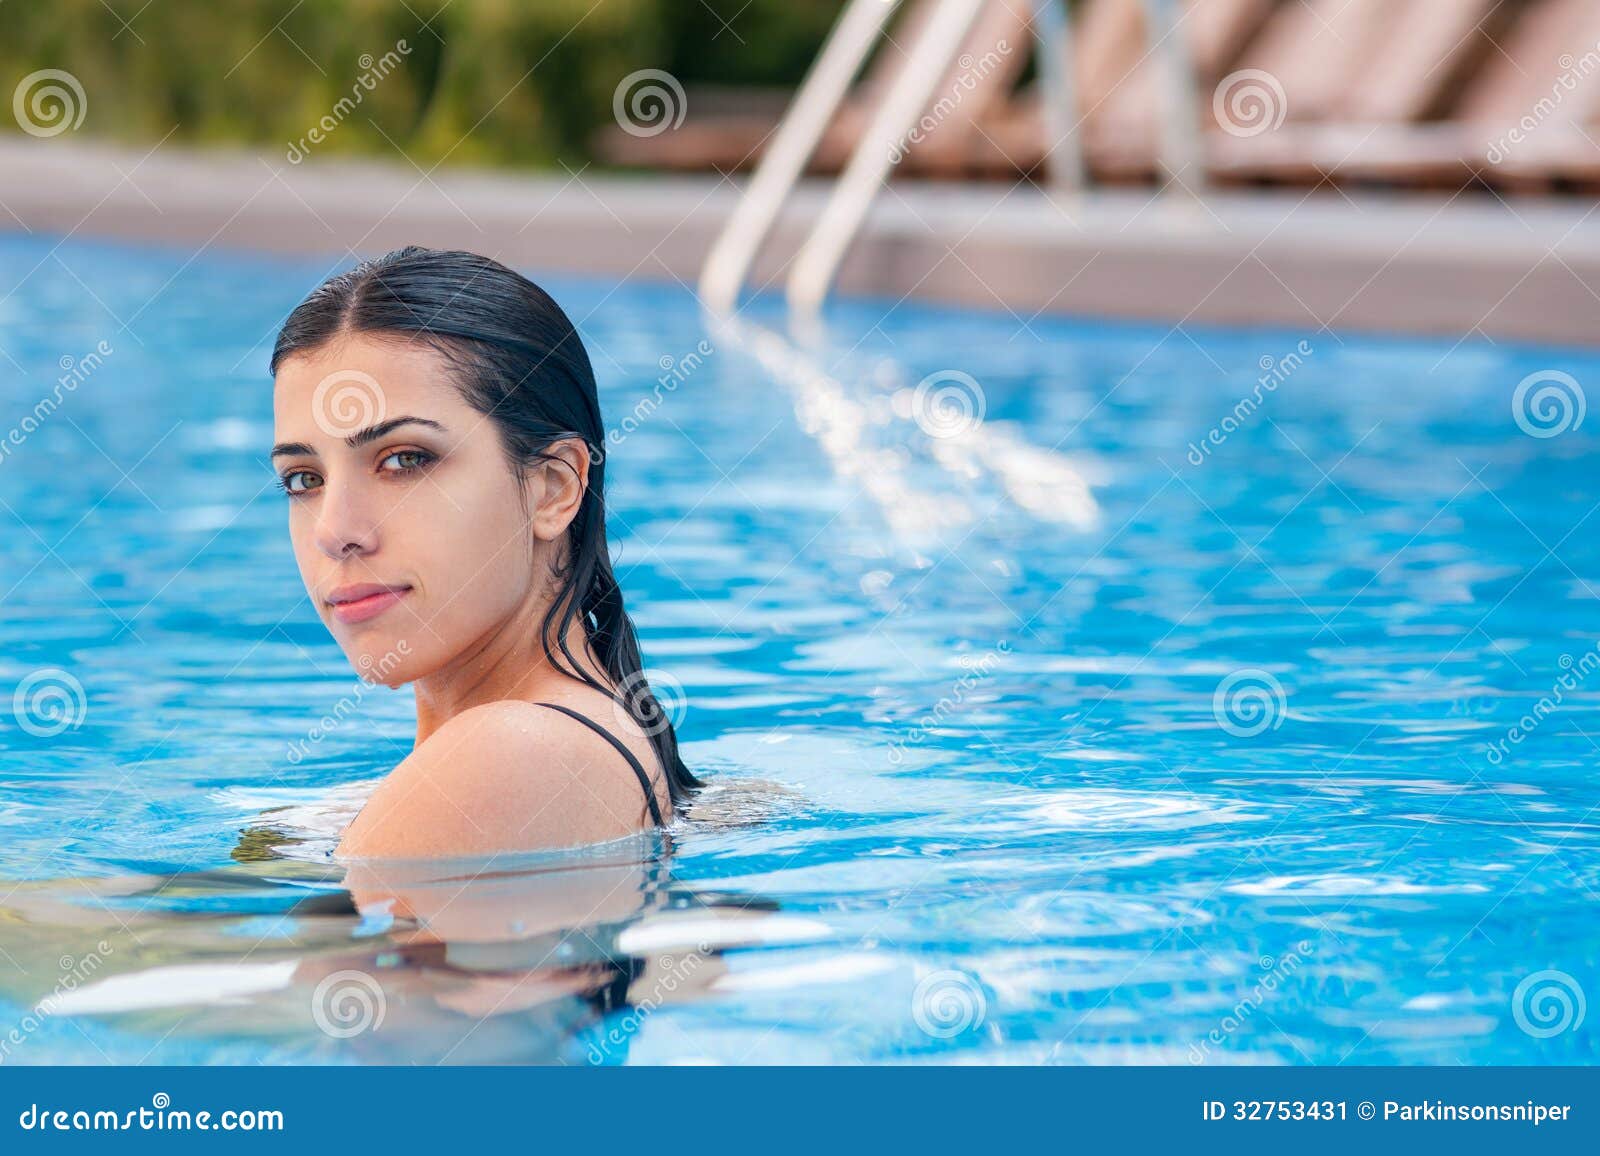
520, 363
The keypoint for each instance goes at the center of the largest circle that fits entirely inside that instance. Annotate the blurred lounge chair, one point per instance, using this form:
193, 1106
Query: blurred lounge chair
1396, 92
1555, 44
1418, 92
1118, 86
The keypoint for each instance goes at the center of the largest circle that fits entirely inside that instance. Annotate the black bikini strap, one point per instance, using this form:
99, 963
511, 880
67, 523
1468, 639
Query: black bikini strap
638, 770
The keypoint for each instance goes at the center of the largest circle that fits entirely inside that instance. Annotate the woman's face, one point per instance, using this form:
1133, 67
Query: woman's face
405, 516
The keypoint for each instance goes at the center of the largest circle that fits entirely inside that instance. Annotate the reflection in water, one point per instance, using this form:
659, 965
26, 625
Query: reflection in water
388, 961
948, 408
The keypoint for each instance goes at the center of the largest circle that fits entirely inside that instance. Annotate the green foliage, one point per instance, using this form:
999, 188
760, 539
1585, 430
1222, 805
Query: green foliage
518, 82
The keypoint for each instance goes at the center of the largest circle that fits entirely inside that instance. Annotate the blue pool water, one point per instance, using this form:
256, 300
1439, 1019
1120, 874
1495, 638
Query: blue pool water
1080, 735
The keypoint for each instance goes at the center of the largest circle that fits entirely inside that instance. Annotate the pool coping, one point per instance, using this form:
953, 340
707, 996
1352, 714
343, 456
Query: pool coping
1458, 266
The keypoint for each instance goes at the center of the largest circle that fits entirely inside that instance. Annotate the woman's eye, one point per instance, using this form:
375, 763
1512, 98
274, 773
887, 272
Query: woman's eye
405, 461
298, 482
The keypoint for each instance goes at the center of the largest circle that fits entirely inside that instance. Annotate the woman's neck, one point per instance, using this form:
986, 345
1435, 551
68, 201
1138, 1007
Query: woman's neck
507, 663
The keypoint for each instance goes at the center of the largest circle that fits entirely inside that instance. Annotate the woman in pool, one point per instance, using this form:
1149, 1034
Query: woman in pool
437, 431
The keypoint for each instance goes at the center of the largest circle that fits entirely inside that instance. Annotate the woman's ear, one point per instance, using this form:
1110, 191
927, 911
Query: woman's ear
556, 487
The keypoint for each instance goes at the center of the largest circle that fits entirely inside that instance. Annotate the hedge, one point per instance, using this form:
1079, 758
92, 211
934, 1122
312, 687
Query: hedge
481, 81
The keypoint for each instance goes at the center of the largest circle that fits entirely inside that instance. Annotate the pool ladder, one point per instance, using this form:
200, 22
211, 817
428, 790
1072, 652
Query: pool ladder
815, 265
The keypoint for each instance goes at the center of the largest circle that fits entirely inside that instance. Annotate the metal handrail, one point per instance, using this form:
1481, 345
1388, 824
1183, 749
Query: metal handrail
792, 144
1063, 155
815, 265
812, 273
1180, 144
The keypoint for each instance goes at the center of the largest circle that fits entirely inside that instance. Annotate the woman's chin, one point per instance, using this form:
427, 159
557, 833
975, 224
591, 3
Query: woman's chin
389, 666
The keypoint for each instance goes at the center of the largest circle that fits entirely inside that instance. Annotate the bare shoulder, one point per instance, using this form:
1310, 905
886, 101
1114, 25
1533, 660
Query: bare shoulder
504, 776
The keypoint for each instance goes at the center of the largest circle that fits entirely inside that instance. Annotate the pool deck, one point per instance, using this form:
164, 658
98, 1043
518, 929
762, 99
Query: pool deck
1454, 266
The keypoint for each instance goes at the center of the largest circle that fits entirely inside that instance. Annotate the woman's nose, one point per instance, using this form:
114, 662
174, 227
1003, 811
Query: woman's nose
346, 524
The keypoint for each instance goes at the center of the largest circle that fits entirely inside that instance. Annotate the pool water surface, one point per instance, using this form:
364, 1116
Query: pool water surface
1071, 691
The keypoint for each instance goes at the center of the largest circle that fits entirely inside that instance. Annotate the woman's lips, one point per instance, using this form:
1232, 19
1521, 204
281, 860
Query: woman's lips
370, 606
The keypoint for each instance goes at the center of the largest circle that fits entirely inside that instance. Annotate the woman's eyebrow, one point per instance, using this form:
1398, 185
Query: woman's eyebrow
361, 437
